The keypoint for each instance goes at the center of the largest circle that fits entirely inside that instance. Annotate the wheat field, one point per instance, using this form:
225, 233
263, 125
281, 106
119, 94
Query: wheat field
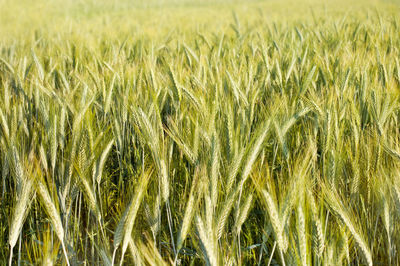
170, 132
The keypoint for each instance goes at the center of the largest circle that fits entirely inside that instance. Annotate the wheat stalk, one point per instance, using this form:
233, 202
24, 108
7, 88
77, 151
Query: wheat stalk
53, 213
128, 220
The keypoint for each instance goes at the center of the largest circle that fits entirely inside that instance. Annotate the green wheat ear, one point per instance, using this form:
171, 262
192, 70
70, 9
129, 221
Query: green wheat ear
125, 226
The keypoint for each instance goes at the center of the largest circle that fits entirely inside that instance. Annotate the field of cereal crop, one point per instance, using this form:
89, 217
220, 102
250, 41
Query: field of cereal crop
184, 132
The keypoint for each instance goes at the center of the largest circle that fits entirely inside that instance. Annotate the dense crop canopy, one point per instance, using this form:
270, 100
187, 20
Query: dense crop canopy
262, 136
